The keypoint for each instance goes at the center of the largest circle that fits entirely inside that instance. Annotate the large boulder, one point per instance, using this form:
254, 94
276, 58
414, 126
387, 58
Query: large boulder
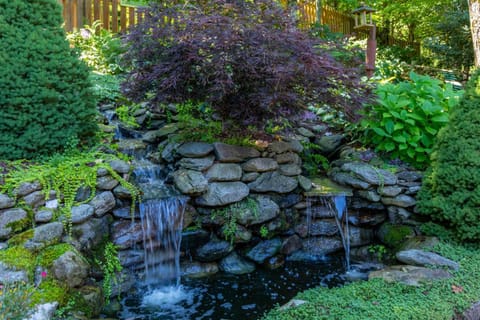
71, 268
228, 153
223, 193
35, 199
190, 182
273, 182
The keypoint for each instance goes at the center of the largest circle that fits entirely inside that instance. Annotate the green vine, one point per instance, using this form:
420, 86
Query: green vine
110, 265
65, 174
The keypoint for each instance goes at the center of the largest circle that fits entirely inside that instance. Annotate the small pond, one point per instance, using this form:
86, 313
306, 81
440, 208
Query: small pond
232, 297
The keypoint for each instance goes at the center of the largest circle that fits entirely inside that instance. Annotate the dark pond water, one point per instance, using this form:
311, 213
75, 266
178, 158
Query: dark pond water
224, 296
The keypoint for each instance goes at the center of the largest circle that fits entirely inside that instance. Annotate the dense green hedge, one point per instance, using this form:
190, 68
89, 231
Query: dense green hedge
450, 193
45, 96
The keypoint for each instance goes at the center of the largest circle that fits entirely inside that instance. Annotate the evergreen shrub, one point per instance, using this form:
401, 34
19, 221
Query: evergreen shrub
246, 59
46, 103
450, 194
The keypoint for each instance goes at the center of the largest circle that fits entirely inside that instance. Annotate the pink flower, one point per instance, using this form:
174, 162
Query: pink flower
43, 274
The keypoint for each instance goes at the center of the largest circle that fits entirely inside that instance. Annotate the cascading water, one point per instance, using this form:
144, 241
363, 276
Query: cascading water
333, 206
162, 234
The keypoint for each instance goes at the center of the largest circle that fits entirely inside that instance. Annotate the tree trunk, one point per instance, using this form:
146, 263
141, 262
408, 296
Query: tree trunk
474, 11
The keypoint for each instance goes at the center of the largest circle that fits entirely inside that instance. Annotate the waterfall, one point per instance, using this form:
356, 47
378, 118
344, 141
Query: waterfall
333, 205
161, 215
162, 221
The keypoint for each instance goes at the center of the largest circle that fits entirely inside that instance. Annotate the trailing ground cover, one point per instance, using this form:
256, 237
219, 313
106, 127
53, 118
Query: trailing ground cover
376, 299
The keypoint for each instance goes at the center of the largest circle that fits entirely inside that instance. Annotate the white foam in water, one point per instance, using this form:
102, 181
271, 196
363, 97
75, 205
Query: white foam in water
165, 296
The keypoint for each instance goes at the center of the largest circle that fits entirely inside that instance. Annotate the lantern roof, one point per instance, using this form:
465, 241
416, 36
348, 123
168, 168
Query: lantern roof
363, 8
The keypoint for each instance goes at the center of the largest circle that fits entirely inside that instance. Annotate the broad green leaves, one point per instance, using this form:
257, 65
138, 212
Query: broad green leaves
407, 116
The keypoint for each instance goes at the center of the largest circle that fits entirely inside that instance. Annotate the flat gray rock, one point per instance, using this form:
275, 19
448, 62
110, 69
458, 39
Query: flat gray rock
198, 164
103, 203
228, 153
410, 275
273, 182
195, 149
235, 264
223, 193
6, 201
260, 165
224, 172
370, 174
190, 182
401, 200
425, 258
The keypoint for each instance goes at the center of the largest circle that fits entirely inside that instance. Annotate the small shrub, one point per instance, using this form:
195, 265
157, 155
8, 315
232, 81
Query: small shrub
450, 194
46, 97
407, 117
246, 59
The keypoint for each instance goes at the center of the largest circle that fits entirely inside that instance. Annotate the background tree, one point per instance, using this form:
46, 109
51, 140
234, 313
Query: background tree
474, 11
45, 97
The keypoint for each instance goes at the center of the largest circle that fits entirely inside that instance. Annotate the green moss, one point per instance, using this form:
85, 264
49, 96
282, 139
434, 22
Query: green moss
49, 291
21, 238
377, 299
19, 225
18, 257
394, 235
52, 253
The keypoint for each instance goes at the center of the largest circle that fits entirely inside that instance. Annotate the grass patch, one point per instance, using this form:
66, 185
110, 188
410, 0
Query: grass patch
377, 299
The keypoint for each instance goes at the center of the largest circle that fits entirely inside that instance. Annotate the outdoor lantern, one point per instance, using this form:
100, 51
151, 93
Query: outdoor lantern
363, 17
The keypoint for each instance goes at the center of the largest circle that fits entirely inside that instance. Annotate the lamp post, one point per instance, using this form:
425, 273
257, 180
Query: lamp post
363, 21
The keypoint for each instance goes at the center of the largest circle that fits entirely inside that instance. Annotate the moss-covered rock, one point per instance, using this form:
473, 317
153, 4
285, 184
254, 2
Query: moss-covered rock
394, 235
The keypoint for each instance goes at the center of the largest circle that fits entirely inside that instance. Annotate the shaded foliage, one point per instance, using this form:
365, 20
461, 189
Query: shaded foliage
450, 192
46, 103
407, 116
246, 59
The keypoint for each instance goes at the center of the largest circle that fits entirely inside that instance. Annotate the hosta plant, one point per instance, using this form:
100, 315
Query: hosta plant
407, 116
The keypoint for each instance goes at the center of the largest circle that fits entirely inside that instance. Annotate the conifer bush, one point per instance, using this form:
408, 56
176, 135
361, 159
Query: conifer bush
450, 193
46, 103
246, 59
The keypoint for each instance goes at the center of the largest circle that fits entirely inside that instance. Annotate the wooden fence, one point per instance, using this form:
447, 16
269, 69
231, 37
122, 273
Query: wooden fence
336, 21
113, 15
